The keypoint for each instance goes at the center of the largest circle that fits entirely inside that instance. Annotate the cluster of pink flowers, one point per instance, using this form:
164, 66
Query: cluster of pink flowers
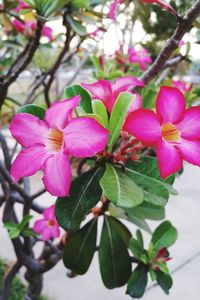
28, 29
49, 143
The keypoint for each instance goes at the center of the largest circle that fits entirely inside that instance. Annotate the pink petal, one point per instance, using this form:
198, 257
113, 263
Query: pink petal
170, 104
39, 226
49, 213
169, 159
28, 129
136, 103
57, 175
28, 162
57, 116
124, 83
100, 90
46, 234
55, 232
190, 125
84, 137
190, 151
144, 125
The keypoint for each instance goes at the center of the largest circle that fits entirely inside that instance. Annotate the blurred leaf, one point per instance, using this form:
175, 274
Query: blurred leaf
146, 211
80, 248
164, 281
76, 26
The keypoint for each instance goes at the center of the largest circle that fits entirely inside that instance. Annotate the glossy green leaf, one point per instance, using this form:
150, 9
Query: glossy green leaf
164, 281
136, 248
138, 282
80, 248
120, 189
84, 195
122, 230
100, 110
77, 90
114, 259
118, 116
146, 211
164, 236
76, 26
33, 109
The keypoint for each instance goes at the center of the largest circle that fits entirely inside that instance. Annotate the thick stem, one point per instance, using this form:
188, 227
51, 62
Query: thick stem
172, 44
35, 286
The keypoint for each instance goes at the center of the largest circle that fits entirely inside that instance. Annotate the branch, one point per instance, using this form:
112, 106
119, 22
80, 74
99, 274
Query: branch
172, 44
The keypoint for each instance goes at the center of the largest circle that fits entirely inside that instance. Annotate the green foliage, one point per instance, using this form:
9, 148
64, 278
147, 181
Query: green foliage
120, 189
114, 260
85, 194
33, 109
16, 230
80, 248
117, 117
164, 236
100, 110
138, 281
164, 281
77, 90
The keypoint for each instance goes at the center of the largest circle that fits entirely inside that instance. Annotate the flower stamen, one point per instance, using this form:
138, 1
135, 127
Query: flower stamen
170, 133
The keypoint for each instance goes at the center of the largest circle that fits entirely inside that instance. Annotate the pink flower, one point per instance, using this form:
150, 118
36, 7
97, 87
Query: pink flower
18, 25
162, 4
108, 92
181, 44
49, 143
22, 5
172, 130
95, 33
48, 226
182, 86
28, 28
112, 14
140, 57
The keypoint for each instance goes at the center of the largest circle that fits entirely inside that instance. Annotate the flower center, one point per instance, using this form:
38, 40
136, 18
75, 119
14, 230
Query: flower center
54, 140
51, 223
170, 133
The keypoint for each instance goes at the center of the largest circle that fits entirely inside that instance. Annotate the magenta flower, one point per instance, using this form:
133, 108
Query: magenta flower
172, 130
140, 57
48, 226
162, 4
18, 25
112, 14
108, 92
182, 86
22, 5
49, 143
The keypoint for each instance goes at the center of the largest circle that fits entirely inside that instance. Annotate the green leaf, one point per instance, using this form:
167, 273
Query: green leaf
48, 7
80, 3
24, 222
14, 233
76, 26
146, 211
96, 117
118, 116
28, 232
77, 90
122, 230
145, 175
7, 4
84, 195
114, 259
33, 109
138, 282
120, 189
80, 248
136, 248
164, 281
164, 236
100, 110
